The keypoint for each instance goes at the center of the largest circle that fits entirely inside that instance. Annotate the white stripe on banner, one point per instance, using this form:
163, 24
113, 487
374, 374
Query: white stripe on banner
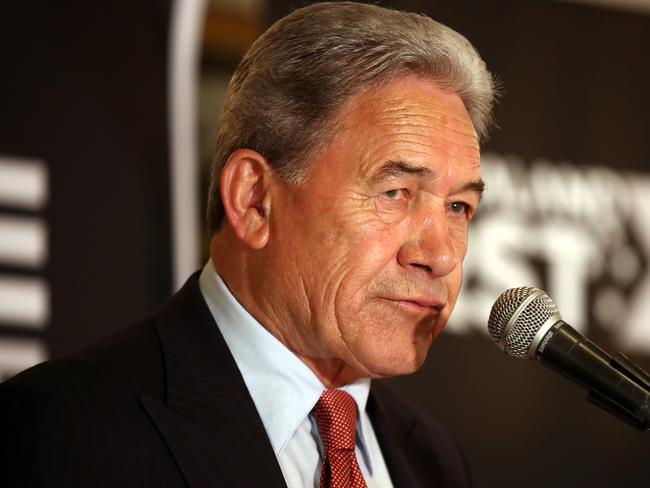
23, 241
184, 50
23, 183
635, 327
19, 354
24, 301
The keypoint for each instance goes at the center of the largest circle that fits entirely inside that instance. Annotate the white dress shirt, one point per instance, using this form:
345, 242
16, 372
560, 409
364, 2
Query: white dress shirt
285, 391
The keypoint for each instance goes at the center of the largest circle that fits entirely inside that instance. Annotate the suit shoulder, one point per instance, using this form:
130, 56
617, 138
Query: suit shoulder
76, 418
127, 359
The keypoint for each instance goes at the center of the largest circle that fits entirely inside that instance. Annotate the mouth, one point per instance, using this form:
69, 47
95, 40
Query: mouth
421, 306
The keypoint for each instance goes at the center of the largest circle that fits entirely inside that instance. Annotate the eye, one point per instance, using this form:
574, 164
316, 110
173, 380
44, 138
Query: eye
459, 208
395, 194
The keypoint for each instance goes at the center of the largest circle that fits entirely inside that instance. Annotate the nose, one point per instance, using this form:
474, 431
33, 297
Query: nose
431, 248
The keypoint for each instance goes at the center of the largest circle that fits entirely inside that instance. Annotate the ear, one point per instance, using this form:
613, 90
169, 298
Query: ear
244, 187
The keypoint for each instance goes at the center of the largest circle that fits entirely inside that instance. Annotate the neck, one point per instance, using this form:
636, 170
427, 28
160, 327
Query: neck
331, 372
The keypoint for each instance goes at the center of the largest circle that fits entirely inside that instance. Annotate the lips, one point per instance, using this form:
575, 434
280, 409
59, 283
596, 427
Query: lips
426, 305
426, 302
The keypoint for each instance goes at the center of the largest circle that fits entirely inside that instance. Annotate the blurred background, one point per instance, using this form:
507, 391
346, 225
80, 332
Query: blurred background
107, 111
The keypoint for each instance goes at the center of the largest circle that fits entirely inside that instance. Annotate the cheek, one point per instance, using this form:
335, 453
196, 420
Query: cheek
368, 263
349, 248
454, 281
458, 236
339, 261
359, 237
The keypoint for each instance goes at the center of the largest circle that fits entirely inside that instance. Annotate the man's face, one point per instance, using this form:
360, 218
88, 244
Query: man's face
370, 247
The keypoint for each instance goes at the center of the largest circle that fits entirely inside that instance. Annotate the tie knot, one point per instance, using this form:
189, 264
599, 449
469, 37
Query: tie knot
336, 416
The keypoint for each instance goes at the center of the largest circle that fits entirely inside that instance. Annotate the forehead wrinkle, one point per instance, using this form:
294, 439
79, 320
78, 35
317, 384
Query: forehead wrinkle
397, 167
431, 150
396, 137
426, 122
409, 126
419, 114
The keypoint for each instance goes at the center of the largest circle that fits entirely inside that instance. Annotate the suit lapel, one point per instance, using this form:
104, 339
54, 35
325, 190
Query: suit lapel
208, 421
391, 441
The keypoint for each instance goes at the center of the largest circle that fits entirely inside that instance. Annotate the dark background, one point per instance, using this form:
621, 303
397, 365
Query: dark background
84, 87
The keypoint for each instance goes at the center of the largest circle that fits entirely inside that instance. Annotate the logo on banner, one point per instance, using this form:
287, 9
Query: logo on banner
24, 292
582, 233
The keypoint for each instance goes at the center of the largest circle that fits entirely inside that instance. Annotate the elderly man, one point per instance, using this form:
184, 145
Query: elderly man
346, 174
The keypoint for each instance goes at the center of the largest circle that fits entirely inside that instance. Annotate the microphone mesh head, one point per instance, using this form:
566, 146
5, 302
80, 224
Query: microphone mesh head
516, 340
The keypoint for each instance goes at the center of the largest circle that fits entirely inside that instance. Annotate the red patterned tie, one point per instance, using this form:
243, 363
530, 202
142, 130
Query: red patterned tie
336, 415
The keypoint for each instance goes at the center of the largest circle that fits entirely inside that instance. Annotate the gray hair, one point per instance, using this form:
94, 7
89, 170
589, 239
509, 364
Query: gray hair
284, 97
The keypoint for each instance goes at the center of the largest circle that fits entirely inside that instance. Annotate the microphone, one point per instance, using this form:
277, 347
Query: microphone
526, 324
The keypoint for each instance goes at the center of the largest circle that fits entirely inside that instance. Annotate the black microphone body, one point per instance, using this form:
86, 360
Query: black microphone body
526, 324
566, 351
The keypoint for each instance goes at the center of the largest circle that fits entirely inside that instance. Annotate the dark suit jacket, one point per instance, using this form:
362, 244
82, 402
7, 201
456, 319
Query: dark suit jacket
164, 405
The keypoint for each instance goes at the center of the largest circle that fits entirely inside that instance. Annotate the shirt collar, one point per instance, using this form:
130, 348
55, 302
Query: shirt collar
283, 388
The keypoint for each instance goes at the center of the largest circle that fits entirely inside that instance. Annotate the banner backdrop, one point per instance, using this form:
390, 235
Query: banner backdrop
85, 220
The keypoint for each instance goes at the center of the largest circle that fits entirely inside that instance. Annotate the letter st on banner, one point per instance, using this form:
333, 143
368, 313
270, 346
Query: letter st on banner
582, 233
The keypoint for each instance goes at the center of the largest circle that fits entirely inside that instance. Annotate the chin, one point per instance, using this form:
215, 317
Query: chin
386, 348
397, 361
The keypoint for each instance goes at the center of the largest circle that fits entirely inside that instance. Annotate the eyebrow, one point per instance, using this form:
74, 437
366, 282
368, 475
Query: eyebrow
478, 186
393, 168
